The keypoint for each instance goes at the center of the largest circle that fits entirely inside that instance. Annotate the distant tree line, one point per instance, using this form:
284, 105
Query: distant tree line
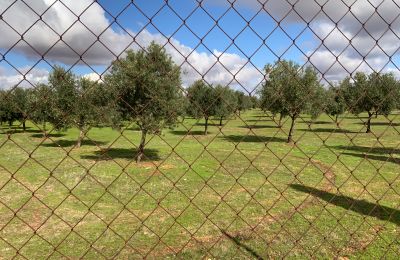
145, 87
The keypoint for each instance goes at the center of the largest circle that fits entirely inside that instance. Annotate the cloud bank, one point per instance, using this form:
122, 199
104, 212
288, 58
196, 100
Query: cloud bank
51, 29
348, 36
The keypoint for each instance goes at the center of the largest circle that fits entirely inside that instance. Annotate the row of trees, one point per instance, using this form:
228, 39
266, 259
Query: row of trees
66, 101
205, 101
291, 90
145, 88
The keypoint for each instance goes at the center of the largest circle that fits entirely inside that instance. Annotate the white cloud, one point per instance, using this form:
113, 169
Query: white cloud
92, 76
58, 35
27, 77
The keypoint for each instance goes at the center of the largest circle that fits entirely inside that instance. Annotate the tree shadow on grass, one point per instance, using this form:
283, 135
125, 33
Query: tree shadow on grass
309, 122
238, 242
375, 157
264, 116
40, 134
379, 123
258, 126
330, 130
209, 124
359, 206
253, 139
355, 117
15, 127
18, 131
184, 132
366, 149
70, 143
122, 153
261, 120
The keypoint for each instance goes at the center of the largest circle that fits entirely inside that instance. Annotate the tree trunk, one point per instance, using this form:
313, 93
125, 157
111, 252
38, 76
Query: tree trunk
10, 124
336, 118
376, 114
369, 122
140, 152
280, 120
220, 121
80, 137
290, 137
44, 128
24, 125
206, 126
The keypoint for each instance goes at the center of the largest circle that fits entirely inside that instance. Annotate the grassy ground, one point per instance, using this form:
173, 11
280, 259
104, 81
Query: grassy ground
239, 192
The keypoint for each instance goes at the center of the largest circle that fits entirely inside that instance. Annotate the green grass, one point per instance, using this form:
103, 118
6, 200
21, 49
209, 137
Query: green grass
236, 193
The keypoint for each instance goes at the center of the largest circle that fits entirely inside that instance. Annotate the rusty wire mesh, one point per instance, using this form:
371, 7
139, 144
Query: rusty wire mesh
240, 192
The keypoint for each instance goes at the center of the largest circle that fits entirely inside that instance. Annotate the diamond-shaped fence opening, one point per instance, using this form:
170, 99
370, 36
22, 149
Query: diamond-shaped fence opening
199, 129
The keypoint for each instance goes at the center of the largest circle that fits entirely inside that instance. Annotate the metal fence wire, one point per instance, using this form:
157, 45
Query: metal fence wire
223, 129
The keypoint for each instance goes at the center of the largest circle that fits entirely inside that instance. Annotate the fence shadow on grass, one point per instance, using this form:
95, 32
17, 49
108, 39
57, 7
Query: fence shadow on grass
253, 139
238, 243
359, 206
122, 153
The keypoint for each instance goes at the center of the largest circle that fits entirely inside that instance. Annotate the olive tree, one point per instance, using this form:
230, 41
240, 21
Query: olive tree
375, 94
41, 105
92, 106
291, 89
64, 98
272, 97
20, 100
202, 98
335, 102
15, 106
244, 102
146, 86
6, 108
225, 102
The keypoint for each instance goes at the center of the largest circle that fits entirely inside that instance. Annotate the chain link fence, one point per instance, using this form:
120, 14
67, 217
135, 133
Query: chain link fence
274, 135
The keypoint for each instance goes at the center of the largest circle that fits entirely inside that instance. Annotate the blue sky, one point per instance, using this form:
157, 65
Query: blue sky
245, 36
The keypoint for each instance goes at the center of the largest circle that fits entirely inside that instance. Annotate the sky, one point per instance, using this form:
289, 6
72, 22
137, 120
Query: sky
222, 41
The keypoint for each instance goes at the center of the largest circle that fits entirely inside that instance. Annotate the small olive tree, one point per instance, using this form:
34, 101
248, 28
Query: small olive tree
146, 87
335, 103
243, 103
225, 102
92, 107
64, 98
203, 103
41, 105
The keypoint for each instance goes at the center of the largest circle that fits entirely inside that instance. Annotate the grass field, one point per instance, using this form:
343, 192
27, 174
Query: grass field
239, 192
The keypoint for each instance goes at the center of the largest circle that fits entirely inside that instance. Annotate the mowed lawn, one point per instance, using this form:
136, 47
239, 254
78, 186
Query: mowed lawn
239, 192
